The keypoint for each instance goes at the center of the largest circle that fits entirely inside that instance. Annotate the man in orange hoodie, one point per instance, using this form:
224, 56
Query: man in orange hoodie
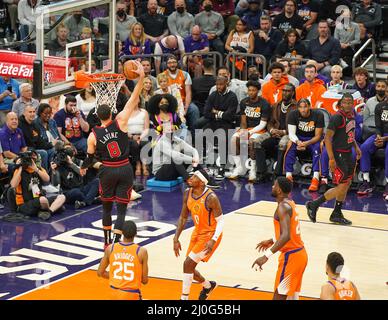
272, 90
312, 89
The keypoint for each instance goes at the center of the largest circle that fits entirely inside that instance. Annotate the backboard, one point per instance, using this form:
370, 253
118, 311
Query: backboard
74, 35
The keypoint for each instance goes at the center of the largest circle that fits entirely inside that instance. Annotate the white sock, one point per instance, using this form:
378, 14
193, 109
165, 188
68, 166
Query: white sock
186, 284
316, 175
206, 284
288, 174
365, 176
183, 297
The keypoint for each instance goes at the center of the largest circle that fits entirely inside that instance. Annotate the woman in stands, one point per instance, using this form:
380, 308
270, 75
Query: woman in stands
241, 39
146, 92
86, 100
137, 43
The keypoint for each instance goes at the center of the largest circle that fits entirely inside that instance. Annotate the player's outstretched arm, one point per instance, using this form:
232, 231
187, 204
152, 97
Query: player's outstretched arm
133, 101
181, 224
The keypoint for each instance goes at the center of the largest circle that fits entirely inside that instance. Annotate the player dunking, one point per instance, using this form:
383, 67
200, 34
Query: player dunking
293, 258
339, 140
128, 266
110, 143
208, 221
337, 288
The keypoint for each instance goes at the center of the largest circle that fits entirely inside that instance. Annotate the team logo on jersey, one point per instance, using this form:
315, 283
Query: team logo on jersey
253, 112
196, 208
306, 126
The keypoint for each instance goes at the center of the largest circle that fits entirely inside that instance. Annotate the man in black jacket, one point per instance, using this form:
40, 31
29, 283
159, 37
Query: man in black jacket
31, 133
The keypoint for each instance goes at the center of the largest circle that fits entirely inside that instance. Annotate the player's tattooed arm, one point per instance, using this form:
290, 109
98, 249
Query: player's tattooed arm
181, 223
214, 205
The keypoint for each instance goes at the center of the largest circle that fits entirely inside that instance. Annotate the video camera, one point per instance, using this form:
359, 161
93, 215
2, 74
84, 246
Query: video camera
26, 159
61, 155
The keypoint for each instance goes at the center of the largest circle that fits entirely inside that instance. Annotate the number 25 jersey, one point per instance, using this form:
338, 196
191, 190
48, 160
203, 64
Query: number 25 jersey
112, 143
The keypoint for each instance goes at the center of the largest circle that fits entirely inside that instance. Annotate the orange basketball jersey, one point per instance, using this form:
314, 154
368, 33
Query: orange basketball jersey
344, 290
295, 241
204, 221
179, 81
125, 269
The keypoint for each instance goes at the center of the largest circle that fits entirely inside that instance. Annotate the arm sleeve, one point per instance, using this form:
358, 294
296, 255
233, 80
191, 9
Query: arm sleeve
259, 127
292, 133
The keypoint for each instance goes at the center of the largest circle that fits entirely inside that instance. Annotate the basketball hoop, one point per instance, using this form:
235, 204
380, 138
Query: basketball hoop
106, 86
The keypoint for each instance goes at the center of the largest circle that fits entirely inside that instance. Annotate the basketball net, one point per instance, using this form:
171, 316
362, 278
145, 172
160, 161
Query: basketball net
106, 85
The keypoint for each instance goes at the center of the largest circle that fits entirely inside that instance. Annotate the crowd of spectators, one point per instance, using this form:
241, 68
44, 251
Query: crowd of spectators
305, 47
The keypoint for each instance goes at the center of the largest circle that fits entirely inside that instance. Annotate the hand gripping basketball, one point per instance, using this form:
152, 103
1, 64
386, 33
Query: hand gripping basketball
133, 69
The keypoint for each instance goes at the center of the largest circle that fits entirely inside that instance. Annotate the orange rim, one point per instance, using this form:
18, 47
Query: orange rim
83, 79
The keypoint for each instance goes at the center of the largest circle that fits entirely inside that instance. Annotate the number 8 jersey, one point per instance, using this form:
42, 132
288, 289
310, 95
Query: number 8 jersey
112, 143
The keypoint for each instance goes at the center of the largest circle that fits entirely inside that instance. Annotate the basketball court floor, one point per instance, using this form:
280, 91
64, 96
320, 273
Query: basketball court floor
58, 259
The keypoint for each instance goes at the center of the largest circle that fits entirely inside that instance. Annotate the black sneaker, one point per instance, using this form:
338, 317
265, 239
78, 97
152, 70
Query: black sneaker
311, 211
323, 188
213, 185
204, 294
79, 204
338, 217
44, 215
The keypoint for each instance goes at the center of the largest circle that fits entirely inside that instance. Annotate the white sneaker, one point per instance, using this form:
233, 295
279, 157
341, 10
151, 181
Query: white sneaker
135, 195
50, 189
237, 172
252, 175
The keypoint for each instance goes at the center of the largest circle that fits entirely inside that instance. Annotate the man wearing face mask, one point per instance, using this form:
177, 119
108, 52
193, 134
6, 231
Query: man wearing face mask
212, 24
75, 23
123, 21
180, 22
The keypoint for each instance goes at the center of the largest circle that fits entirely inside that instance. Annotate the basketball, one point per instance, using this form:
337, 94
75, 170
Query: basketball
128, 67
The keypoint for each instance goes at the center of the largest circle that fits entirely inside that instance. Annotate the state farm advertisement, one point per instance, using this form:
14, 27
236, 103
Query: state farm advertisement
20, 65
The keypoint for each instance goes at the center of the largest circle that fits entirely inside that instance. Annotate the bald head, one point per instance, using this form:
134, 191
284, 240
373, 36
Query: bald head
171, 42
196, 32
12, 120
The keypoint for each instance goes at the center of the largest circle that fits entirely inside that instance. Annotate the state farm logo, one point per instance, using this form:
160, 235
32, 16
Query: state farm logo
21, 70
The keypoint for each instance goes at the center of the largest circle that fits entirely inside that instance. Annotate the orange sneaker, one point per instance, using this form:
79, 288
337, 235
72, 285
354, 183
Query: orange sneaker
314, 186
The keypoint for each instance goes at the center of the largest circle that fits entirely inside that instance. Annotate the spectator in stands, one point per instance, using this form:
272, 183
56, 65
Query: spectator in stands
266, 39
362, 83
226, 10
202, 85
220, 110
348, 34
96, 12
123, 21
170, 45
9, 92
241, 39
336, 83
12, 139
308, 10
57, 46
86, 100
251, 14
273, 7
368, 15
368, 113
12, 6
287, 68
165, 88
325, 79
183, 81
146, 93
47, 126
75, 24
255, 113
212, 24
138, 129
276, 144
289, 18
155, 24
370, 146
67, 175
26, 194
27, 20
196, 42
33, 138
272, 90
292, 48
25, 99
137, 43
330, 10
146, 63
305, 128
72, 124
180, 21
162, 113
324, 49
312, 89
3, 166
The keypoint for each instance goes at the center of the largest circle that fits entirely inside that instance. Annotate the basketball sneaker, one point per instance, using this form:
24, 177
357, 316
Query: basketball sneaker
365, 189
311, 211
79, 204
338, 217
385, 195
204, 294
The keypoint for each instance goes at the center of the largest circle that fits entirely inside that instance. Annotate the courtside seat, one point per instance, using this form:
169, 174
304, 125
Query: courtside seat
163, 184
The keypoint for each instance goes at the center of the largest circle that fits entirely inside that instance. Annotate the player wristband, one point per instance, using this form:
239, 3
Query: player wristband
268, 253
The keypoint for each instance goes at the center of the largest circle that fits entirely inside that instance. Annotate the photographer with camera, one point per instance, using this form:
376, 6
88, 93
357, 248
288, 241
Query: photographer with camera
26, 195
72, 124
65, 171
